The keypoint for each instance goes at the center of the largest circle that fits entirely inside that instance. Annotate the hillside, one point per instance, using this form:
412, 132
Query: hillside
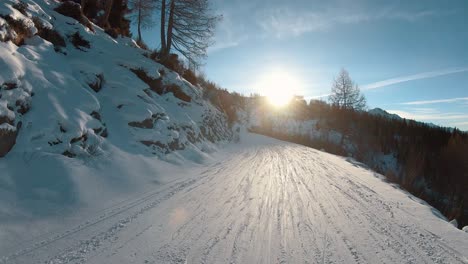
79, 108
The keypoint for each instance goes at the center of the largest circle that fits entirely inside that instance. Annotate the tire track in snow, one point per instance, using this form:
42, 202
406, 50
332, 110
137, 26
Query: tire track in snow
272, 203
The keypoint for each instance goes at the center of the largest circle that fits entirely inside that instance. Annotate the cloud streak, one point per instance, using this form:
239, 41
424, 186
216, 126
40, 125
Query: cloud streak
224, 45
439, 101
429, 117
285, 22
229, 34
432, 115
461, 124
419, 76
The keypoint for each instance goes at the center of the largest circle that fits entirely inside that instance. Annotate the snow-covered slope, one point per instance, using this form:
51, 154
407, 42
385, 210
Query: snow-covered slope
88, 115
68, 99
261, 201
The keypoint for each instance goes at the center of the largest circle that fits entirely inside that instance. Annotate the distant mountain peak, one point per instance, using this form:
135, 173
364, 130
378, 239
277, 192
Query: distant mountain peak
380, 112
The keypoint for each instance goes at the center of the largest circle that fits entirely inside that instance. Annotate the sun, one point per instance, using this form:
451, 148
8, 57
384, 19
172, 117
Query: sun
279, 86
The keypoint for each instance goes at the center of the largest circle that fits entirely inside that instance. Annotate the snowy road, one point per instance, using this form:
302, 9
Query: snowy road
268, 202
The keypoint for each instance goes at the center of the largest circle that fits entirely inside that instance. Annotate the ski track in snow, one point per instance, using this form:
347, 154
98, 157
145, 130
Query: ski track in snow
267, 203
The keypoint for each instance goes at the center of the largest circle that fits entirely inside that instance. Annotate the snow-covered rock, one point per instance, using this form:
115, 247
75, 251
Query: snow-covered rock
454, 223
7, 138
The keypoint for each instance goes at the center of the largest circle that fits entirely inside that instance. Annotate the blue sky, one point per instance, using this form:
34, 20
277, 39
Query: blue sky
408, 57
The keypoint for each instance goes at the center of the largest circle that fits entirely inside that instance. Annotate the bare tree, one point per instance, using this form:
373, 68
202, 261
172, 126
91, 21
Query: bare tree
346, 94
142, 14
190, 28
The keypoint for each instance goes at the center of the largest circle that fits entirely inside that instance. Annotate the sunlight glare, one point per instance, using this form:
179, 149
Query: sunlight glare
279, 86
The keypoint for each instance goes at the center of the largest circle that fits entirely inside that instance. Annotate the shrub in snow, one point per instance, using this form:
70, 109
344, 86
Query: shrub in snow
5, 119
96, 85
23, 106
73, 10
153, 143
6, 113
78, 41
175, 145
177, 92
96, 115
87, 144
18, 30
49, 34
7, 138
147, 123
21, 7
142, 45
68, 154
112, 32
157, 86
172, 62
9, 86
154, 84
104, 133
190, 76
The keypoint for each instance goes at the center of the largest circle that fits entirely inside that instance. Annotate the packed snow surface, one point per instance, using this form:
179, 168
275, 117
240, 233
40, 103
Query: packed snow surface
260, 201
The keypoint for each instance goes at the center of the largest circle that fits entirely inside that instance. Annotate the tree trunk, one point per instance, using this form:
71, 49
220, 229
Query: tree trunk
83, 6
163, 26
170, 25
104, 23
139, 25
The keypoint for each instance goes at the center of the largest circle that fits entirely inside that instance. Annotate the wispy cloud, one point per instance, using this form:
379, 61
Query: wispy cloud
285, 21
429, 116
223, 45
419, 76
229, 34
460, 124
433, 115
450, 100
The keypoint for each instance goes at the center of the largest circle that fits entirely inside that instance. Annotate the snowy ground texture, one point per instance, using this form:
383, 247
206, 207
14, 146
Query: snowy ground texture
260, 201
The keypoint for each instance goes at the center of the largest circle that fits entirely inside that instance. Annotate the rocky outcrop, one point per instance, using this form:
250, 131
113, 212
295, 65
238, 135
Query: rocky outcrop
8, 135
